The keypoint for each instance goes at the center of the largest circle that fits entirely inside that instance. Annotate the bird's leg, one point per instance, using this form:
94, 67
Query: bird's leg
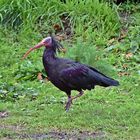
68, 104
80, 94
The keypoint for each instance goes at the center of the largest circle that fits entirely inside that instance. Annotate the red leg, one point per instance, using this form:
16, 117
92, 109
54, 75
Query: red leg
80, 94
69, 102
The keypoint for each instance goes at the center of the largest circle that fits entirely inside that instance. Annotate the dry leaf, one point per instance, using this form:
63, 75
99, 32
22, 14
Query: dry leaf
125, 65
57, 27
111, 41
60, 37
39, 76
64, 50
123, 74
129, 55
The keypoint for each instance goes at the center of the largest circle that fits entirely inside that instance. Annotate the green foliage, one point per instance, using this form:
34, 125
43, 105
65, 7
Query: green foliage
35, 107
113, 112
88, 53
93, 23
91, 17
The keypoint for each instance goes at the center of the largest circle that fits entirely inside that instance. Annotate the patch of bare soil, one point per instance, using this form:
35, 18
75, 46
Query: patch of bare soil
74, 135
19, 132
11, 132
14, 128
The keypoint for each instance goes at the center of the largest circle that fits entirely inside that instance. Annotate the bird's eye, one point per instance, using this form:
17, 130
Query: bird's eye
47, 40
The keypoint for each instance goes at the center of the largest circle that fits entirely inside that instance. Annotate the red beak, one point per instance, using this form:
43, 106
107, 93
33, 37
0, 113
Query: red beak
39, 45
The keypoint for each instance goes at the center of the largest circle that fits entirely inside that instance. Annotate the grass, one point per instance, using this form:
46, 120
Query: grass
100, 37
113, 111
41, 17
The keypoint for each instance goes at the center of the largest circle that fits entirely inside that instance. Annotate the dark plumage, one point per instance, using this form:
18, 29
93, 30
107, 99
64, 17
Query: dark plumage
69, 75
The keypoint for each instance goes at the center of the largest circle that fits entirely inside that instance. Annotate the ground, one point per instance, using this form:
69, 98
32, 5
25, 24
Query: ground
32, 108
101, 113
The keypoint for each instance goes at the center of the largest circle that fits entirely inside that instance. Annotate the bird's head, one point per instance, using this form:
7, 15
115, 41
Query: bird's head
49, 43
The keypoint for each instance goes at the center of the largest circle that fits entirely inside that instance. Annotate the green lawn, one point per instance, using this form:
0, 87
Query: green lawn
31, 109
111, 113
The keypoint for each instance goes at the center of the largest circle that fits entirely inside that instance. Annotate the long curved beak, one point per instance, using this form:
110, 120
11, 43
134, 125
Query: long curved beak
39, 45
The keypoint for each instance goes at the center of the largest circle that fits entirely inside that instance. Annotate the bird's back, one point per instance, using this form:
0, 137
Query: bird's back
70, 75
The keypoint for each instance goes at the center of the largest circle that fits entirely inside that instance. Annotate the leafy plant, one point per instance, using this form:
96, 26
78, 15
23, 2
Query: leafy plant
88, 53
92, 17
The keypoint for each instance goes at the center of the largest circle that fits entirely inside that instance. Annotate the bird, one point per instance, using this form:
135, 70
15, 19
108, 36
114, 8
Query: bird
67, 74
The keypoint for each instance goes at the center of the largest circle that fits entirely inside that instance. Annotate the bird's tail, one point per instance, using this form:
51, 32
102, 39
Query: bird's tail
103, 80
106, 81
